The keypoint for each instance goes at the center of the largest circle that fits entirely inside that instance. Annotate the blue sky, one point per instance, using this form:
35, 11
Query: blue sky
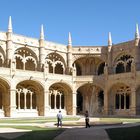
89, 21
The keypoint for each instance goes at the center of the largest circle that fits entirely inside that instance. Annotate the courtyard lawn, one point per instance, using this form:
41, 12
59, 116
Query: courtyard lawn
120, 120
37, 133
35, 120
129, 133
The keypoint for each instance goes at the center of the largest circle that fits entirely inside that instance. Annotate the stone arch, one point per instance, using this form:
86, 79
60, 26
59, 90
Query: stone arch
30, 96
90, 97
60, 97
122, 63
26, 59
119, 99
87, 65
56, 63
4, 98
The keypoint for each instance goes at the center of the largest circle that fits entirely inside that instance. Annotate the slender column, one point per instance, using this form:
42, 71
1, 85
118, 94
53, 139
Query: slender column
53, 65
31, 95
18, 100
55, 99
133, 101
46, 101
60, 101
124, 100
24, 100
12, 102
74, 95
50, 99
23, 65
106, 107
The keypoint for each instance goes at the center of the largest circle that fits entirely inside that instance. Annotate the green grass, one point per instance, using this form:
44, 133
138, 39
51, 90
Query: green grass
36, 120
129, 133
37, 133
119, 120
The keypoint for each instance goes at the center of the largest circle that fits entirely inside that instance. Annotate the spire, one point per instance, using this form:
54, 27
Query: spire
42, 32
10, 24
69, 40
109, 39
137, 32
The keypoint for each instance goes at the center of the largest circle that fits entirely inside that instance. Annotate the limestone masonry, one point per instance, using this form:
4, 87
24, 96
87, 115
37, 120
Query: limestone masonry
39, 78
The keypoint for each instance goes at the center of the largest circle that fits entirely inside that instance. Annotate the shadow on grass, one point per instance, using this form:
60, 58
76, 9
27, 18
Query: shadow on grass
46, 134
126, 133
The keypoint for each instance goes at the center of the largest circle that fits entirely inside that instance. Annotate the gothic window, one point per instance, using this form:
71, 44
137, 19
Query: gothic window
25, 99
25, 59
122, 98
56, 100
56, 63
123, 64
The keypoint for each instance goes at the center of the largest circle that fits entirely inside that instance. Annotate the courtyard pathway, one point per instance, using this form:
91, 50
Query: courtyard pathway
92, 133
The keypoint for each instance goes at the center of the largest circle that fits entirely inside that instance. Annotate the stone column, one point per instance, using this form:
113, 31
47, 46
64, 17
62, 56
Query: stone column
124, 100
18, 100
12, 112
133, 101
60, 107
106, 106
55, 94
74, 105
46, 102
25, 107
31, 100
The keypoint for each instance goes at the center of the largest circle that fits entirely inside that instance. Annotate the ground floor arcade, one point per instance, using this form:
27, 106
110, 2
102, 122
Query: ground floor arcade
29, 98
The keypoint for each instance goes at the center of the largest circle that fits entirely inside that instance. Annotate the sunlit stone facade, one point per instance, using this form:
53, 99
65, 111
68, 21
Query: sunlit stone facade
39, 78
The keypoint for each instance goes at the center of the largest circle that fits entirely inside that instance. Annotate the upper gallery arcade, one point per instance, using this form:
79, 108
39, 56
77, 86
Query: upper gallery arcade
38, 77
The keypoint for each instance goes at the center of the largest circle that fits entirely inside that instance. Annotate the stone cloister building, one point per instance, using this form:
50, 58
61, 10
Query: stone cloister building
38, 77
